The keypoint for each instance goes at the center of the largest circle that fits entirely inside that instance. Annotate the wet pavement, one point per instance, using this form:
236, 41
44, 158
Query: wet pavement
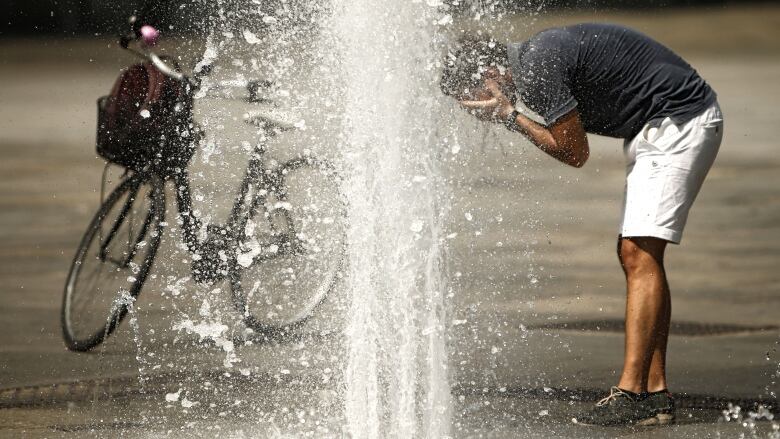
281, 413
538, 294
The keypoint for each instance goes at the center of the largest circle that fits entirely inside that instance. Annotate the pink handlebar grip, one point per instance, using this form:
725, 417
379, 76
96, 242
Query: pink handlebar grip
149, 35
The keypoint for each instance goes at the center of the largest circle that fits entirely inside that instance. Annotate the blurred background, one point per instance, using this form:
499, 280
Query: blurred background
79, 17
538, 293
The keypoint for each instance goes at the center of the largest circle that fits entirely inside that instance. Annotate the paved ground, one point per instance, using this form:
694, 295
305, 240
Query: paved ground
517, 369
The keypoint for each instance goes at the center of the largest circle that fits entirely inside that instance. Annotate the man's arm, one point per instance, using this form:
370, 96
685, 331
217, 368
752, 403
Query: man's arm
565, 140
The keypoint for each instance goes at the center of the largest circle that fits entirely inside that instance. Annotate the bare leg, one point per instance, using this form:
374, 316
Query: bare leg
656, 379
646, 311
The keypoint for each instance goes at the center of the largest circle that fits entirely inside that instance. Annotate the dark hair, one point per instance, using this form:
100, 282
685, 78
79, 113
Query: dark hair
467, 59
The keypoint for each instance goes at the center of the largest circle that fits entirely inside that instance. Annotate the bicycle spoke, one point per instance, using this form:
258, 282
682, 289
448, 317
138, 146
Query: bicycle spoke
293, 255
105, 275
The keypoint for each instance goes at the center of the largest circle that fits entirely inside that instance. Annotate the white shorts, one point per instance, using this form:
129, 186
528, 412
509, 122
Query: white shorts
665, 168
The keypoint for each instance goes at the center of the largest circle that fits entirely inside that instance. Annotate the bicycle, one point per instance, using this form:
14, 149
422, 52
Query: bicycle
281, 249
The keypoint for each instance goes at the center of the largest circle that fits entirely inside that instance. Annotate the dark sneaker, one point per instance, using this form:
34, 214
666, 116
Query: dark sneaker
662, 404
620, 408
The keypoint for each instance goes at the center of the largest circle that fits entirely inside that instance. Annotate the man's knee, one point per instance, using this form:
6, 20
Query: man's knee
640, 254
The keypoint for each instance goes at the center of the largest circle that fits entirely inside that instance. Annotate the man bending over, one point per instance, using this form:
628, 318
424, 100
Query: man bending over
613, 81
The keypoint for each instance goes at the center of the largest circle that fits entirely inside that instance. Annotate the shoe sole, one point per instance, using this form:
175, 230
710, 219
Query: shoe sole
659, 419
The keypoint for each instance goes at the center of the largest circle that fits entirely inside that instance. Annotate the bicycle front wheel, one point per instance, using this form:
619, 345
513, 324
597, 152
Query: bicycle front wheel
112, 261
294, 248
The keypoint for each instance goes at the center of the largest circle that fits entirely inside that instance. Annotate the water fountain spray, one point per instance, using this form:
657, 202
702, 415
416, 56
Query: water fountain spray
395, 377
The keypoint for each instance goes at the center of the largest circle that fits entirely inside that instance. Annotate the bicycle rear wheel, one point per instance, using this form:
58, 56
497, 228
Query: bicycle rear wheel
294, 250
112, 261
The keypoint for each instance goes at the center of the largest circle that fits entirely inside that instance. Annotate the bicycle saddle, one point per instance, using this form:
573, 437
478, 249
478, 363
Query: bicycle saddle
272, 118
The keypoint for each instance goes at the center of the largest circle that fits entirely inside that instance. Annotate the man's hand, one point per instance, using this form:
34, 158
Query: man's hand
496, 108
565, 139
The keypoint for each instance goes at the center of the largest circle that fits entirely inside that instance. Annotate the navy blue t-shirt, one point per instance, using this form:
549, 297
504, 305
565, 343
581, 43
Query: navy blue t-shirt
617, 78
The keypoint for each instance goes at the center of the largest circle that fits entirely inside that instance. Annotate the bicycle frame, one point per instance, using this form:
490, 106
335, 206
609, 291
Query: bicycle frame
218, 250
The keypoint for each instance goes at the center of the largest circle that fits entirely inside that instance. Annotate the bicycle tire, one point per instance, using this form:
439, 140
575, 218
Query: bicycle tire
261, 317
83, 330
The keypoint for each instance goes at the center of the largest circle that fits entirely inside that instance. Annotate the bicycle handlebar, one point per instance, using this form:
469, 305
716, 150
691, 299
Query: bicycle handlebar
167, 70
148, 37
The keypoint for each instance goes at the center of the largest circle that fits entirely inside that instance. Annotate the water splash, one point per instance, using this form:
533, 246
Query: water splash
395, 376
